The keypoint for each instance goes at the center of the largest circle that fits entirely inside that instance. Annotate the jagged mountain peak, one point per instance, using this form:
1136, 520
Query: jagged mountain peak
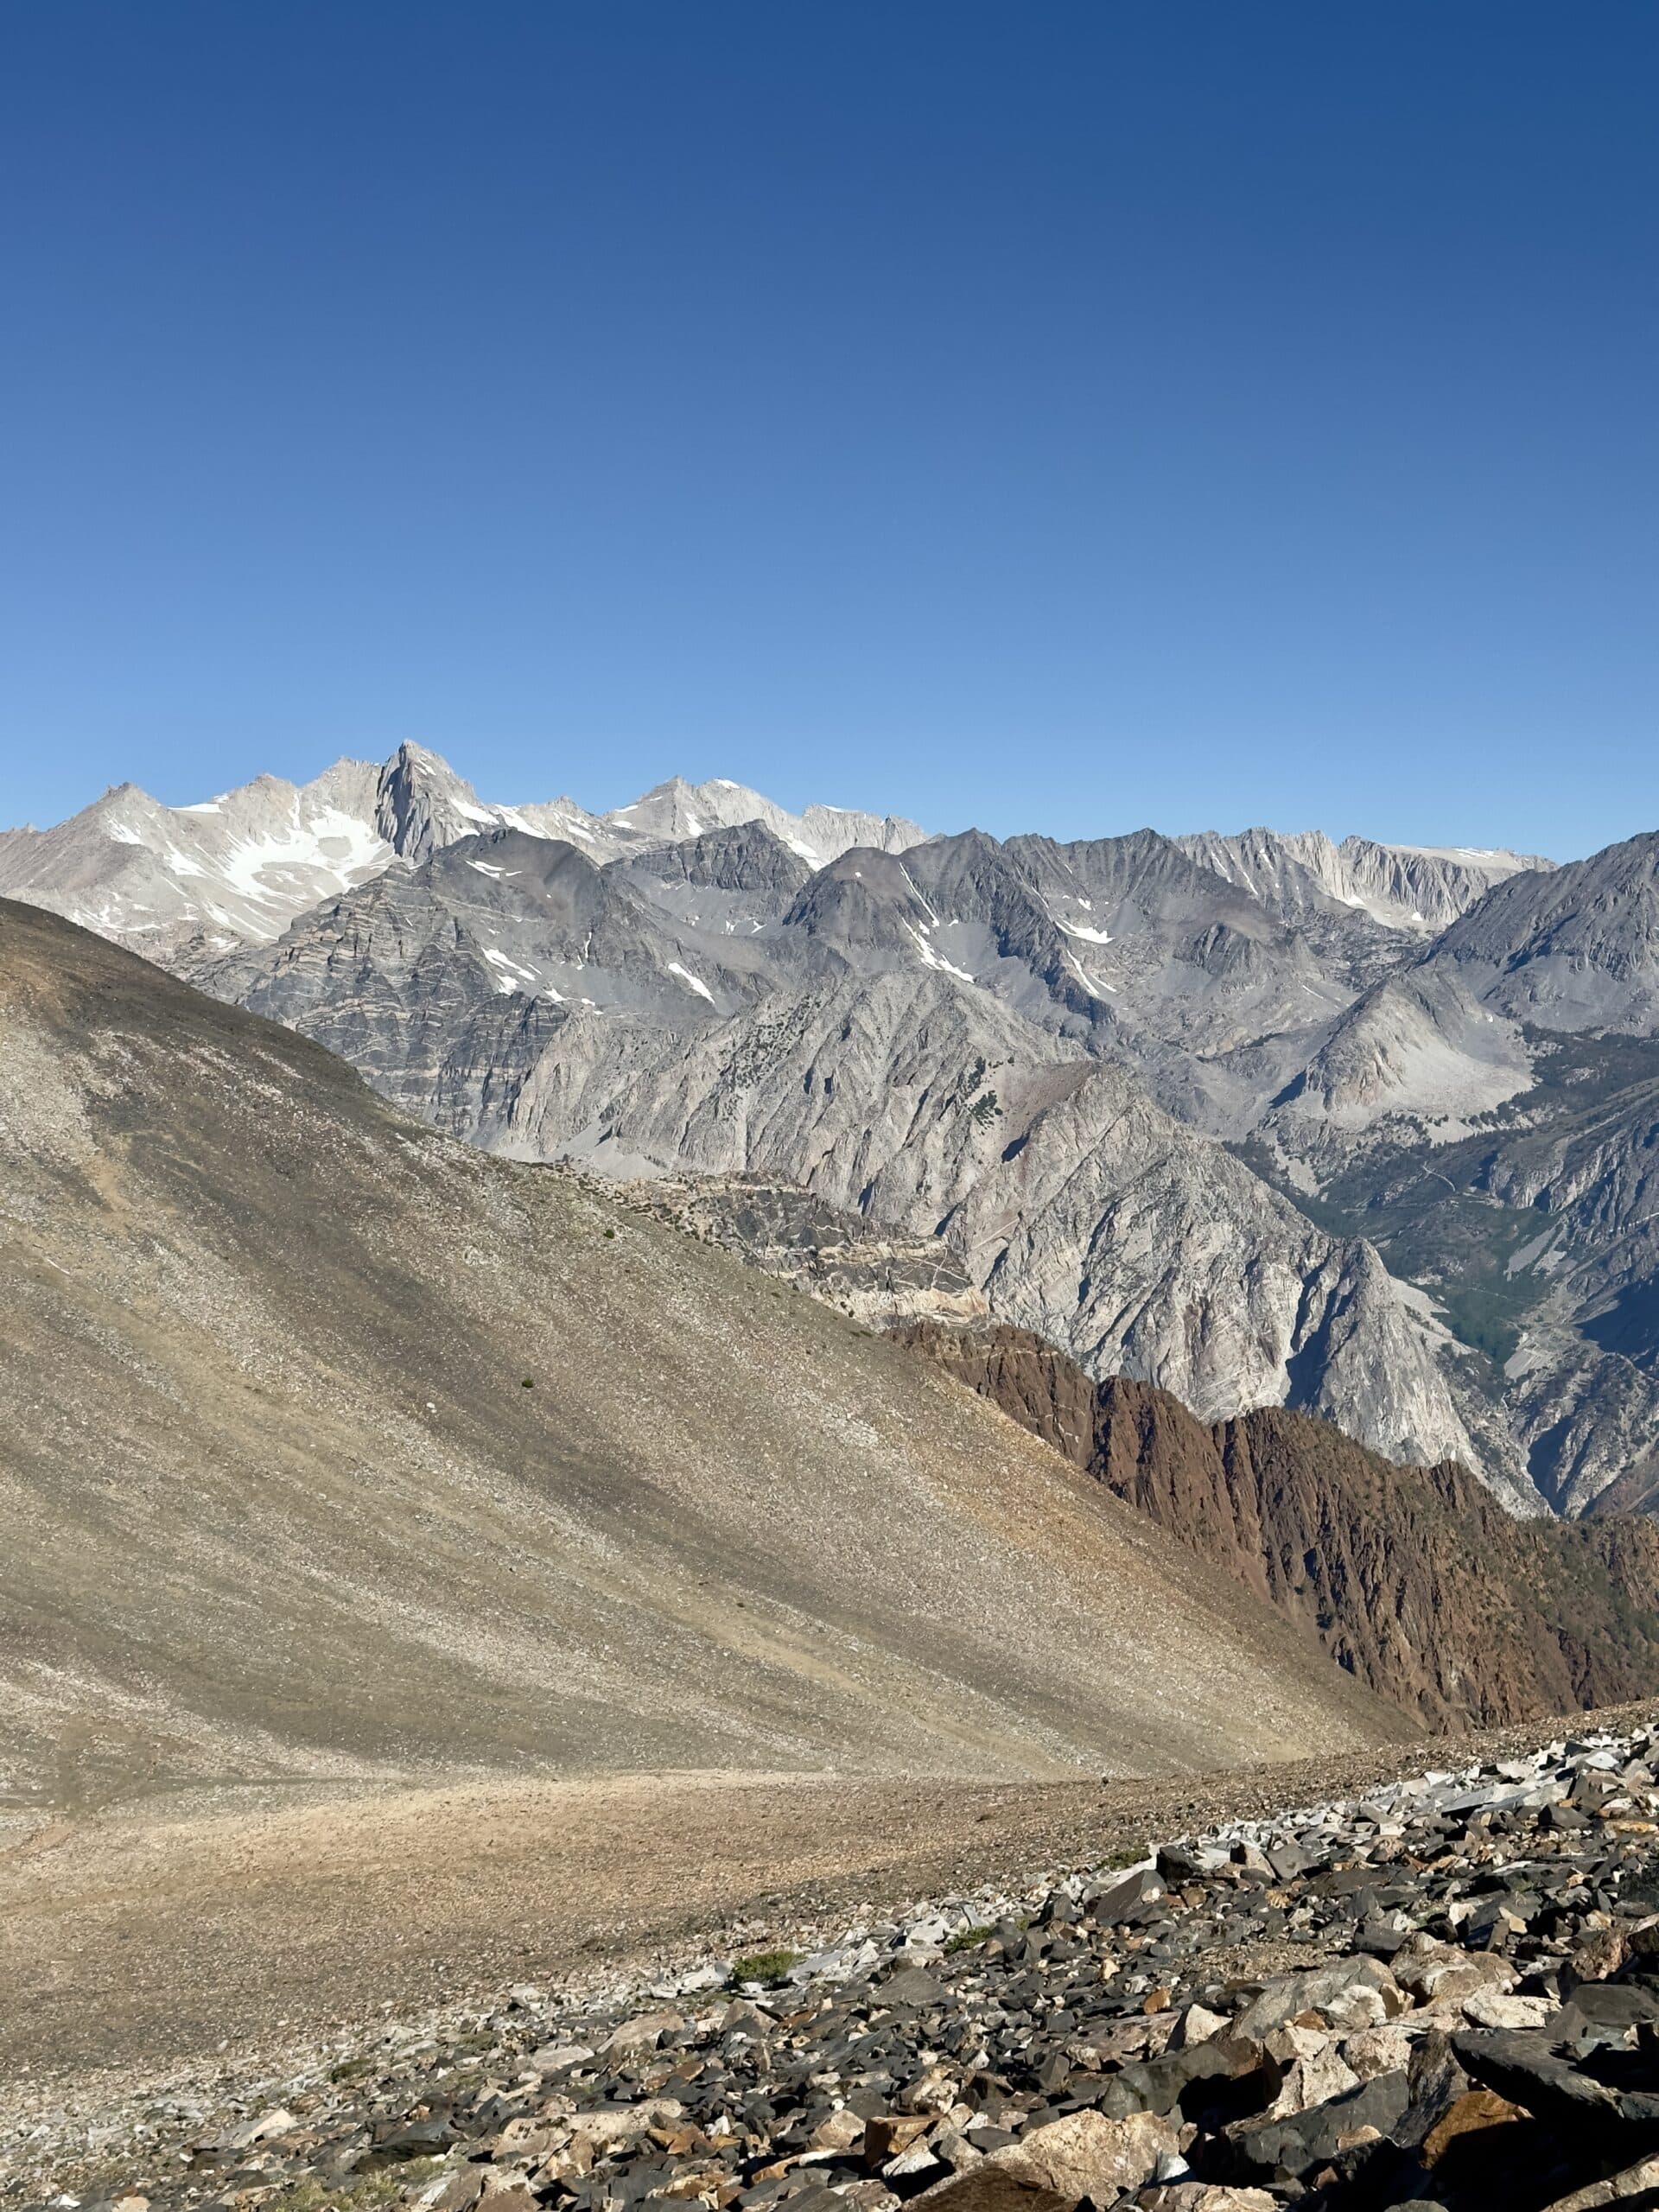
237, 869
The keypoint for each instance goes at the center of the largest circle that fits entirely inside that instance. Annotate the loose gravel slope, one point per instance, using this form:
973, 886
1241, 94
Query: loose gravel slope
331, 1448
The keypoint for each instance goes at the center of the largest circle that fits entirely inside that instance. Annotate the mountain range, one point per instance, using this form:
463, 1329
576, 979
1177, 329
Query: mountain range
1261, 1120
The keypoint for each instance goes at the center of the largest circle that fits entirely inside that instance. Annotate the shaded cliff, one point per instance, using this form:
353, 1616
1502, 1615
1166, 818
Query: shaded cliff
1413, 1578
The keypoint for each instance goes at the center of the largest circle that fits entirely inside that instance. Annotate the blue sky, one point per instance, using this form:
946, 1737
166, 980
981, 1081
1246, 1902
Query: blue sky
1061, 417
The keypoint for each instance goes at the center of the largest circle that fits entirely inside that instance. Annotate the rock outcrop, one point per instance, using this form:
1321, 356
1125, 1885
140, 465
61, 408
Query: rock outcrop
1411, 1577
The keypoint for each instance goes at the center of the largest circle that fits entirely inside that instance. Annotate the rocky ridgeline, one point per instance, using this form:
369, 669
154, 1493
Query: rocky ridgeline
1445, 1994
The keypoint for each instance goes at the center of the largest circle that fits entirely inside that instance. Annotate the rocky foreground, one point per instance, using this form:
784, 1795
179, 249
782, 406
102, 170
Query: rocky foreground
1445, 1994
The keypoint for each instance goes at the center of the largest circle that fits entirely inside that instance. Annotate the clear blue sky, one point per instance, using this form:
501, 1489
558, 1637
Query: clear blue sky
1059, 416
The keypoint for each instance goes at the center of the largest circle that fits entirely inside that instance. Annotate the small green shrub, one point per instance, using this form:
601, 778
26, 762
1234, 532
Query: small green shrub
369, 2192
768, 1967
969, 1939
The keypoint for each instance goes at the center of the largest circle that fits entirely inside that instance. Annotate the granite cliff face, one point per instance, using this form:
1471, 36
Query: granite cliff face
1575, 949
1410, 1577
1417, 888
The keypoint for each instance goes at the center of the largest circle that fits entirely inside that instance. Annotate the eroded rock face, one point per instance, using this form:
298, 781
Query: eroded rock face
1575, 949
1411, 1577
1291, 2011
1417, 888
878, 1277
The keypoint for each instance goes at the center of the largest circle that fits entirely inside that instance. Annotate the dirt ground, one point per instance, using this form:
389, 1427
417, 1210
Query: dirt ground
143, 1942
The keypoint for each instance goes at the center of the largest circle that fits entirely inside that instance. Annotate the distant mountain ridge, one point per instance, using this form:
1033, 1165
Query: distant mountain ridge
1419, 888
1260, 1119
244, 865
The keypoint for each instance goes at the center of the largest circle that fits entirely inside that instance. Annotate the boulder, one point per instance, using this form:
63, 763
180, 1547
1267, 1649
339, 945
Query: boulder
1352, 1993
1293, 2146
1083, 2155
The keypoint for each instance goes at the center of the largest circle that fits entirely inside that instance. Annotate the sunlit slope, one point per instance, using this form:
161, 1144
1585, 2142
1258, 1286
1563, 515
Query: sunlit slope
327, 1444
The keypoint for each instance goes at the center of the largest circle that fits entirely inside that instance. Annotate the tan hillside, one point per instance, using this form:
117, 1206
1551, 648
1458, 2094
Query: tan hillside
329, 1445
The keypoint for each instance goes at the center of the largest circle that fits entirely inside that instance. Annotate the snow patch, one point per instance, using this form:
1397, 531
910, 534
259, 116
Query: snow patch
933, 959
1092, 984
692, 982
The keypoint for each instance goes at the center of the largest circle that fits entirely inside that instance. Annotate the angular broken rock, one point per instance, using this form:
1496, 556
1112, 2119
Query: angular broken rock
1491, 2008
991, 2188
1209, 2196
1444, 1976
1477, 2110
912, 1986
1354, 1993
1197, 2025
1377, 2050
1312, 2080
1293, 2146
1083, 2155
1029, 2076
643, 2033
1637, 2181
605, 2127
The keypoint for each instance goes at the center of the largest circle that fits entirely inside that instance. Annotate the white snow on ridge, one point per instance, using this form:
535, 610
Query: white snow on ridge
337, 845
252, 860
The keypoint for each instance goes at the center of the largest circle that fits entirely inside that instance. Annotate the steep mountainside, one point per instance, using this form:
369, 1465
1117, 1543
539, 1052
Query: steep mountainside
1410, 1576
331, 1445
1575, 950
915, 1037
1436, 1223
1419, 888
841, 1049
